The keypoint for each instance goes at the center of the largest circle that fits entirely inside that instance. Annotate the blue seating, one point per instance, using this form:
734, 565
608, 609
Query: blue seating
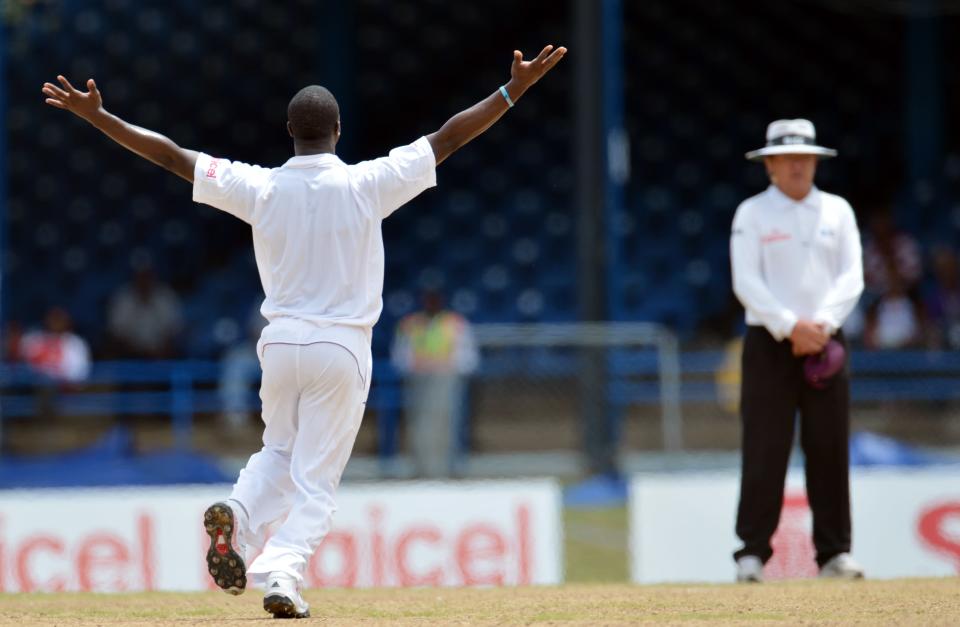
501, 230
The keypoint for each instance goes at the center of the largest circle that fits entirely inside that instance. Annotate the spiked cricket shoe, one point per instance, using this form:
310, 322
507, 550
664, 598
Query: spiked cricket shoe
225, 555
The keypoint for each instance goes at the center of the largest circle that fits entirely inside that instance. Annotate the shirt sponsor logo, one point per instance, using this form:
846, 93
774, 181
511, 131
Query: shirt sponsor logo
212, 168
775, 235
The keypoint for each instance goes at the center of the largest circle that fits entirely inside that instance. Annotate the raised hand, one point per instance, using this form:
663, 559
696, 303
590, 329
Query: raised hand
83, 104
469, 123
526, 73
152, 146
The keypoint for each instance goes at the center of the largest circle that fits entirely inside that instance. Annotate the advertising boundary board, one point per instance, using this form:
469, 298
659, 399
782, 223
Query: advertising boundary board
466, 533
906, 523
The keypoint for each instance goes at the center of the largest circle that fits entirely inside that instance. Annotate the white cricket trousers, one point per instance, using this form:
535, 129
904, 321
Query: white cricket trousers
313, 399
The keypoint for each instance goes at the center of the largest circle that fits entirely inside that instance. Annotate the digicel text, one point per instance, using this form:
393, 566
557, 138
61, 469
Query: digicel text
98, 561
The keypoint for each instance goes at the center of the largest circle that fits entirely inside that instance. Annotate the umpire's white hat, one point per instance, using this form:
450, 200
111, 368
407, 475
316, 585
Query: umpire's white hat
791, 137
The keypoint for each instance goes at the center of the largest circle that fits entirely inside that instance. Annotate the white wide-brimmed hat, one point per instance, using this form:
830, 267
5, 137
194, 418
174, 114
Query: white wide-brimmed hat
791, 137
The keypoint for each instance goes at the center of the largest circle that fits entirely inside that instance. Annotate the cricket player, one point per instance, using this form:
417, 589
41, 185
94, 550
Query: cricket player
319, 251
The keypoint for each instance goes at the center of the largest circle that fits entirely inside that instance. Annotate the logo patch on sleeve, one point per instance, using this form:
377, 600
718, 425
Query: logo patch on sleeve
212, 168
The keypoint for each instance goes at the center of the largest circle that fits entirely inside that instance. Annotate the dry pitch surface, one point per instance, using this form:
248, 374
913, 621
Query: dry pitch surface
911, 602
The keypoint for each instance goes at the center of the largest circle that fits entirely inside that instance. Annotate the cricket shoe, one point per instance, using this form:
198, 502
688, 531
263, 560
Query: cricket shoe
282, 597
842, 566
225, 555
749, 569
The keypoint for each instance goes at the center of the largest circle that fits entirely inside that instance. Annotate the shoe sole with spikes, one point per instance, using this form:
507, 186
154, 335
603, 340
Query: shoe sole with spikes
282, 607
224, 564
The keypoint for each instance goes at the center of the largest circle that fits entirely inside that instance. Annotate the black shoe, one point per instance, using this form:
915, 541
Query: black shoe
224, 561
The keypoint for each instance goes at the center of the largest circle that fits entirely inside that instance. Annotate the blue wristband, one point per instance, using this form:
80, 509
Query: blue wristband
506, 95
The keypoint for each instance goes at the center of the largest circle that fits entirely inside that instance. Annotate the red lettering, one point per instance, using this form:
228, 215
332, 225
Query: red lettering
345, 576
775, 236
145, 539
30, 546
101, 563
793, 552
932, 525
212, 168
523, 545
478, 544
407, 577
378, 551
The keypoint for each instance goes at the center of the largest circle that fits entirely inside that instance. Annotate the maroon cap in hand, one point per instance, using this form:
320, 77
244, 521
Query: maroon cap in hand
817, 369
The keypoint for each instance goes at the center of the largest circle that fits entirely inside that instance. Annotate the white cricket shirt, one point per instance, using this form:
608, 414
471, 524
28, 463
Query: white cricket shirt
316, 236
796, 260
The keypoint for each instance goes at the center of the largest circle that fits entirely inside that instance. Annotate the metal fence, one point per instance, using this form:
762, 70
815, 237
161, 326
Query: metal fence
526, 394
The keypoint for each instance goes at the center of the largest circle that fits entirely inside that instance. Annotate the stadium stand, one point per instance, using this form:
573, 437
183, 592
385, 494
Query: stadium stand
99, 212
700, 93
498, 236
499, 233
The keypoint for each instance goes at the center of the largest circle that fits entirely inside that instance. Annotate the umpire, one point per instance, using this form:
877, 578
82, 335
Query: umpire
797, 270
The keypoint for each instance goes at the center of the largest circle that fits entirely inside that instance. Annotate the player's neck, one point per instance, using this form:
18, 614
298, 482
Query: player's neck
797, 194
306, 148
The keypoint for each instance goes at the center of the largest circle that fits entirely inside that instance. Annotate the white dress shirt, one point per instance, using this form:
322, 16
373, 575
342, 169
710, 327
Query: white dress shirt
795, 260
316, 236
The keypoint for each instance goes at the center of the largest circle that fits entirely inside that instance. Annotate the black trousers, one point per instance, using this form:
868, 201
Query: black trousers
773, 390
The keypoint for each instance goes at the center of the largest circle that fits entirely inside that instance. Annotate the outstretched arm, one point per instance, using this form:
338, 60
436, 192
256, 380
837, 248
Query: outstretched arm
149, 145
467, 124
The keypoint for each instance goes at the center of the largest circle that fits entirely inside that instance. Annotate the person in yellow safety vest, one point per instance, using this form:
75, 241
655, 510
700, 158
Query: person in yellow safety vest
434, 351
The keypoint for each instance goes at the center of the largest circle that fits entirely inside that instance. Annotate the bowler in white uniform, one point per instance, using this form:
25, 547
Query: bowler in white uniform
319, 251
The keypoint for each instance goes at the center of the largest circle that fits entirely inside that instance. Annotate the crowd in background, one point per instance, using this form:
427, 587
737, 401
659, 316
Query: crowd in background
912, 293
144, 320
911, 301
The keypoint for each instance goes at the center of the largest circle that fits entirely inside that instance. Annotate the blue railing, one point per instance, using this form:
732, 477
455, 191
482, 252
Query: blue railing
183, 389
188, 388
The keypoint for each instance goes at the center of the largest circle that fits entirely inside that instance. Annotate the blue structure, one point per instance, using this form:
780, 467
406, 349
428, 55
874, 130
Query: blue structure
3, 173
684, 94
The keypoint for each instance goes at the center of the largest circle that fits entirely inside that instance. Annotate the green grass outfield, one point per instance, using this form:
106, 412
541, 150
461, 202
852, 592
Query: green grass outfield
596, 545
900, 602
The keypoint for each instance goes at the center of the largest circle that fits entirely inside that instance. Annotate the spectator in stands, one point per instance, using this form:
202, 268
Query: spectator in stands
891, 258
434, 350
61, 356
797, 268
943, 300
55, 350
145, 319
894, 320
892, 308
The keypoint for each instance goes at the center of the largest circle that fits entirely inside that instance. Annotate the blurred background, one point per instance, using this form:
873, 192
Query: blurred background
576, 255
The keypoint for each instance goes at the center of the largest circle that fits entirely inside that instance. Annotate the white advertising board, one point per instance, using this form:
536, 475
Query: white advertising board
403, 534
906, 523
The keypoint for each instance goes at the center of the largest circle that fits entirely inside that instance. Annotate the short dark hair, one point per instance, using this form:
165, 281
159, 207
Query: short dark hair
313, 113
